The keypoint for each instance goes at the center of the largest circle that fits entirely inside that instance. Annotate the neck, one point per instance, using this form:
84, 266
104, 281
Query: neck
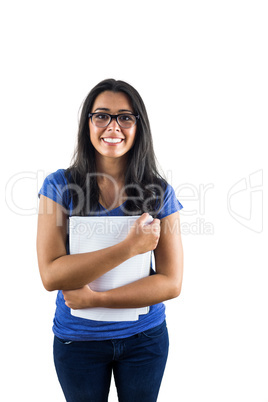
112, 167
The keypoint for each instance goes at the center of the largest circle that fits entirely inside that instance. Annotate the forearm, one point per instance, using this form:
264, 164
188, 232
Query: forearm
144, 292
164, 285
76, 270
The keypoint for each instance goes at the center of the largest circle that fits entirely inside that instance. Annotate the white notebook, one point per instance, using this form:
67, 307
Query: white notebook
98, 232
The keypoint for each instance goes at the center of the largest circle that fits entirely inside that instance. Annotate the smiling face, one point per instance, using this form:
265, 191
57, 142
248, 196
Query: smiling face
112, 141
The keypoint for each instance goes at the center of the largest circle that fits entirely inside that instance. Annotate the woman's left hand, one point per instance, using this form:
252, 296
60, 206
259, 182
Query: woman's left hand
79, 298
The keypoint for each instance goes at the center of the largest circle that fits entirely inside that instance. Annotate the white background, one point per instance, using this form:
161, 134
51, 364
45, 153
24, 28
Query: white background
201, 68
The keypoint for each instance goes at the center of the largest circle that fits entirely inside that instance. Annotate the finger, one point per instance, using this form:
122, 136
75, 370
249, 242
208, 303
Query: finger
156, 229
143, 218
156, 221
155, 224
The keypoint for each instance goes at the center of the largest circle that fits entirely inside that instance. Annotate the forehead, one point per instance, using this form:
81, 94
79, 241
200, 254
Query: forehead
114, 101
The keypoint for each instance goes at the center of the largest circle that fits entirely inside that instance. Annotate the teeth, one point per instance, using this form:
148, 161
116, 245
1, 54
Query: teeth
112, 140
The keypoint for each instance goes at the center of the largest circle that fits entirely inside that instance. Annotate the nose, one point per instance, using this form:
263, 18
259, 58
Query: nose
113, 125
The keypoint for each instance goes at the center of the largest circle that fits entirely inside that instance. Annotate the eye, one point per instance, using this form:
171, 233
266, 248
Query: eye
126, 118
101, 117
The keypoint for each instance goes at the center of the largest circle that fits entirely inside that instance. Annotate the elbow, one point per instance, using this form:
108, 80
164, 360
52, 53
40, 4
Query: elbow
176, 292
47, 280
172, 288
48, 285
175, 289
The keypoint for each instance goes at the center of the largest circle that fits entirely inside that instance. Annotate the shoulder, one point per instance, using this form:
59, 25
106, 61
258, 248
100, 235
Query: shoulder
59, 176
170, 203
55, 186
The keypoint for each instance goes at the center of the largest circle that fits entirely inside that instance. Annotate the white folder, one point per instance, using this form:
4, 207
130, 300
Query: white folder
98, 232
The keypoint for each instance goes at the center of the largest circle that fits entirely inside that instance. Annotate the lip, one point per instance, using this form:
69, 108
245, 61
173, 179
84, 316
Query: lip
112, 143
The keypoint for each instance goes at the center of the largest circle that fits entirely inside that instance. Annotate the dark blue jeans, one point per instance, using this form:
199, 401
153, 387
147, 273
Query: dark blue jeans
84, 368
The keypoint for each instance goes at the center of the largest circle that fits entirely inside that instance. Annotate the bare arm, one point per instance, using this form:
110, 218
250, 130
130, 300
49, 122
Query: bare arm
61, 271
166, 284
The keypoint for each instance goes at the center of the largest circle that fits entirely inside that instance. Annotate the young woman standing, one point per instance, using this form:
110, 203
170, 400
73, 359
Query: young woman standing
114, 173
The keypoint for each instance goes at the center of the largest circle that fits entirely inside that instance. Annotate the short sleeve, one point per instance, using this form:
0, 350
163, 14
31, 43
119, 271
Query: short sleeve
55, 187
170, 203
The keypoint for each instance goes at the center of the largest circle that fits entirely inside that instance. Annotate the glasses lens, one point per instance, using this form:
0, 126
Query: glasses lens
126, 120
101, 119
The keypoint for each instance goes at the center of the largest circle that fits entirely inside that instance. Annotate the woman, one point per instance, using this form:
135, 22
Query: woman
113, 173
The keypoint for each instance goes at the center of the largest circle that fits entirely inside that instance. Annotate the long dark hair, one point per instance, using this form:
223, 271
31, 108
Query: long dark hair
144, 185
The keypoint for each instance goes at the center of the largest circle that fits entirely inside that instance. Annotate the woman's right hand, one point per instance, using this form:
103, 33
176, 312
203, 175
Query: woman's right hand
143, 236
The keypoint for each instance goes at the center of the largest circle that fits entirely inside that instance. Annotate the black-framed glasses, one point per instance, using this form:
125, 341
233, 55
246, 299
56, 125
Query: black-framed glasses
125, 120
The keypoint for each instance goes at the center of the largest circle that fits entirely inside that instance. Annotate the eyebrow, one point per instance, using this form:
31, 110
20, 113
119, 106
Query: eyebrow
108, 110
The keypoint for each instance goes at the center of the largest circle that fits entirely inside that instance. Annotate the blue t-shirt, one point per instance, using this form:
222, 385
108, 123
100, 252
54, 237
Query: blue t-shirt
67, 326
